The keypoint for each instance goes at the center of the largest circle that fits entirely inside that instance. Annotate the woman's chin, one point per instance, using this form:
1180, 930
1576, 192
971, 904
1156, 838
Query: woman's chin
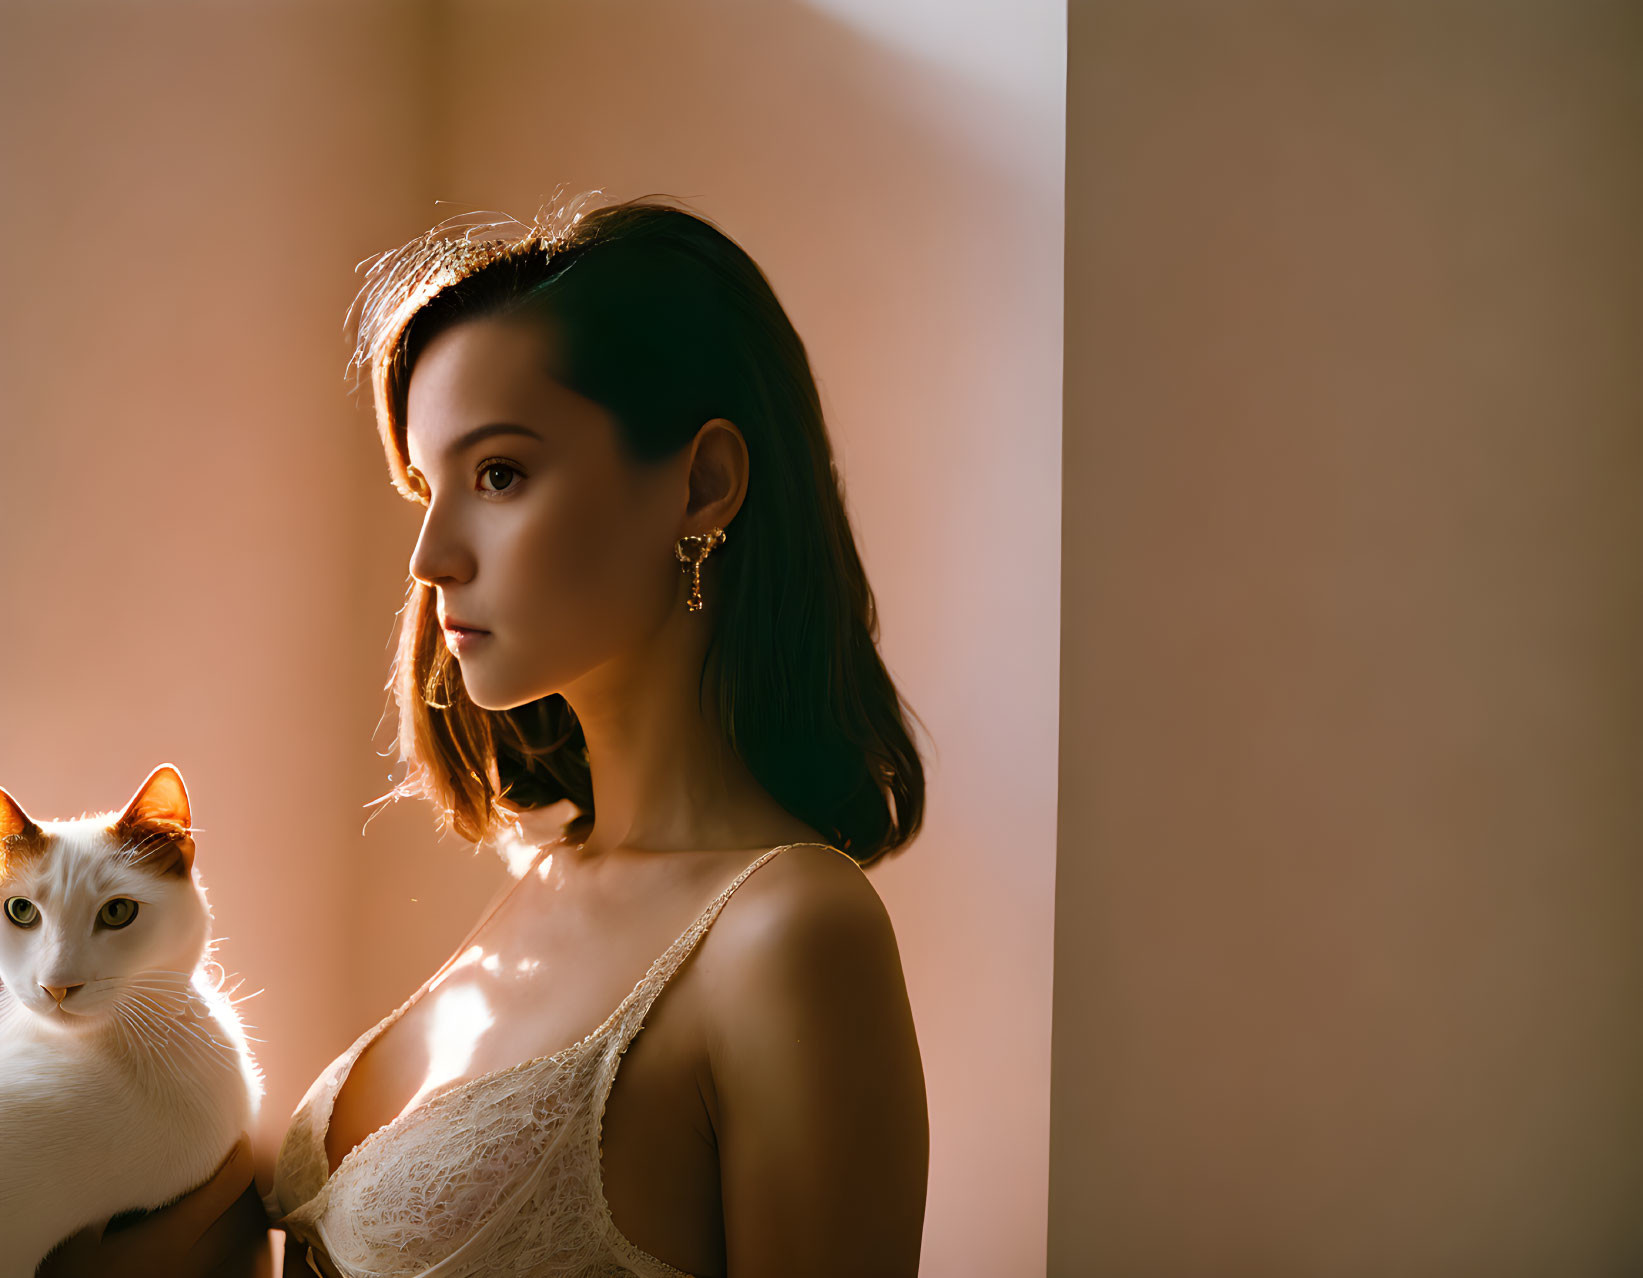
481, 698
498, 699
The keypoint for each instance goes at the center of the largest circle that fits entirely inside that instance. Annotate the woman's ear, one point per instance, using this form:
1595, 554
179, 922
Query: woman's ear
718, 475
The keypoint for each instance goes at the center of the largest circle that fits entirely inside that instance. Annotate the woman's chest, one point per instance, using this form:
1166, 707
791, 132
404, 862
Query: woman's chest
519, 992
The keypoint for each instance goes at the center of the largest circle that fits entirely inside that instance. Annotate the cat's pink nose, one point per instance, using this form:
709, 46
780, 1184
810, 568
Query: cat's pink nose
60, 992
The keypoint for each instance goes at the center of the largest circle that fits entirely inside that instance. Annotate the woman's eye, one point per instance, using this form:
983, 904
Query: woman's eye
494, 468
22, 911
118, 912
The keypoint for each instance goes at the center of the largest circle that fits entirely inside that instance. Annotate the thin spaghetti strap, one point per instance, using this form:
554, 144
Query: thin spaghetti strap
670, 960
840, 851
508, 889
760, 860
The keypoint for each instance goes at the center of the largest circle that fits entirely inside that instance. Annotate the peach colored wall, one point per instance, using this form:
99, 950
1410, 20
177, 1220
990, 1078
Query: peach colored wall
195, 523
1348, 944
181, 476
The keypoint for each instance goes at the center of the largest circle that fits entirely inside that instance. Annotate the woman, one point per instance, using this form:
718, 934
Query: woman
638, 635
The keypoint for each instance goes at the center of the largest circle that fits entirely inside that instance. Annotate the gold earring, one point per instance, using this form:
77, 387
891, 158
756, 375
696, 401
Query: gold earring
703, 545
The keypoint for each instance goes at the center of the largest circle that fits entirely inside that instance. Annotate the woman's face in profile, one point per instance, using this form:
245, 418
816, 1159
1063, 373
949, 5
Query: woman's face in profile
542, 534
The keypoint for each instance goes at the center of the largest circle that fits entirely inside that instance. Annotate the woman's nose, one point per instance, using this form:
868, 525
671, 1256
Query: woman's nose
440, 554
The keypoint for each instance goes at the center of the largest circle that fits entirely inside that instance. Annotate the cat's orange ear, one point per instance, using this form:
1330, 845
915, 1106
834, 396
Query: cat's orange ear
158, 815
14, 821
20, 838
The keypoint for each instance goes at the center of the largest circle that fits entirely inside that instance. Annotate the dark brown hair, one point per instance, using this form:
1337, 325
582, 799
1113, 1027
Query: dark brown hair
666, 322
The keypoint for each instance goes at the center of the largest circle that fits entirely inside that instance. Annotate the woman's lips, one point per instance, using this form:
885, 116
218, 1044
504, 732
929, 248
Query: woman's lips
460, 639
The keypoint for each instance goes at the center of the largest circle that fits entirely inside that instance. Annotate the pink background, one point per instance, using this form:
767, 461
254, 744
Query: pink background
204, 555
1283, 681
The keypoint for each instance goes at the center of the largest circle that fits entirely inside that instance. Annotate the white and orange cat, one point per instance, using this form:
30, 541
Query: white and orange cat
125, 1078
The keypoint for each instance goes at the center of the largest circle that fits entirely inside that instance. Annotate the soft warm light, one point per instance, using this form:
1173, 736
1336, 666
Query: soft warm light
468, 957
515, 851
459, 1018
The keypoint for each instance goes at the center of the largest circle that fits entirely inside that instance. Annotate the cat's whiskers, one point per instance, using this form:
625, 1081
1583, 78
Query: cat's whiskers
175, 987
156, 1028
219, 987
184, 981
171, 997
194, 1036
169, 1003
133, 1031
93, 986
181, 999
138, 983
161, 1030
185, 978
123, 1028
174, 1048
152, 1042
174, 1018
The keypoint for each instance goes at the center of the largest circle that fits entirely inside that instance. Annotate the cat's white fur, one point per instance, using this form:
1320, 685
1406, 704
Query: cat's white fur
134, 1090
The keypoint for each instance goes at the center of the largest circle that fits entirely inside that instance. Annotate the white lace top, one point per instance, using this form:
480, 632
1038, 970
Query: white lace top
494, 1175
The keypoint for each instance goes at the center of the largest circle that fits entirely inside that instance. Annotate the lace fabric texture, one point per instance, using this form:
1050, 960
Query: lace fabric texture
494, 1175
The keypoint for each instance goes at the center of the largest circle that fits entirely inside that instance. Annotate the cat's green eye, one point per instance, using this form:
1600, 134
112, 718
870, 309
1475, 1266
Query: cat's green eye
22, 911
118, 912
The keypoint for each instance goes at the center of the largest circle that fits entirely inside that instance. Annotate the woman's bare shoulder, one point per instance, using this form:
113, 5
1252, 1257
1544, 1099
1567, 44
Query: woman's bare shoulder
810, 909
816, 1081
803, 883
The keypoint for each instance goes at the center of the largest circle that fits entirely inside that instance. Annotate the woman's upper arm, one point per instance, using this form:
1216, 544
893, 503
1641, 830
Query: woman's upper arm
823, 1127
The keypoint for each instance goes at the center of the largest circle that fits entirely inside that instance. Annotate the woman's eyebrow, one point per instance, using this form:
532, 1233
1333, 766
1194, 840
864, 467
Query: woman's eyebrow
486, 431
